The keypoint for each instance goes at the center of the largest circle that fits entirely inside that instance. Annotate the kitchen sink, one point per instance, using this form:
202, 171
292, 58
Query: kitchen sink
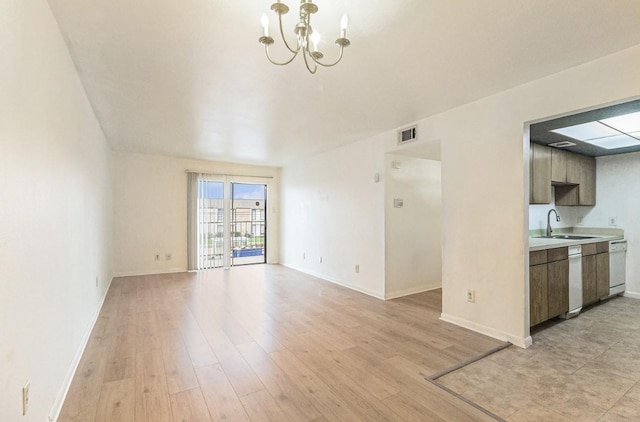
566, 237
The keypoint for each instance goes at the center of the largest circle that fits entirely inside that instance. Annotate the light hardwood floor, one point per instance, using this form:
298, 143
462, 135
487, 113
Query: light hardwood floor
266, 343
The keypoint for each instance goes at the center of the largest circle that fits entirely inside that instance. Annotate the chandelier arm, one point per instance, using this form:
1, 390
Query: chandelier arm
284, 38
303, 31
306, 62
266, 50
330, 64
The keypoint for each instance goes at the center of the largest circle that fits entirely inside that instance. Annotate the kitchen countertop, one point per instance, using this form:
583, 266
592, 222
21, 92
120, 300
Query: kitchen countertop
599, 235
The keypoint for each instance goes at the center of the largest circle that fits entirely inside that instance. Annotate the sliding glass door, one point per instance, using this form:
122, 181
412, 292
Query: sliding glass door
227, 223
248, 223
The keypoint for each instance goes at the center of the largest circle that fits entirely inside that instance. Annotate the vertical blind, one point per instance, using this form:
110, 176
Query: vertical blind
192, 220
205, 222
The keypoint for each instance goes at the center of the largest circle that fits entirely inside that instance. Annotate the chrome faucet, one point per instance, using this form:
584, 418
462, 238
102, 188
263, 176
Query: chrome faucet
549, 220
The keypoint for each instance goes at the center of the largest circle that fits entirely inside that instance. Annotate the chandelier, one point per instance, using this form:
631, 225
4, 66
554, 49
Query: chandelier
307, 39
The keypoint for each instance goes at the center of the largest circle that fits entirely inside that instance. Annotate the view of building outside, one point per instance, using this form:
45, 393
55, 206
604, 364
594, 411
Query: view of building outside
247, 225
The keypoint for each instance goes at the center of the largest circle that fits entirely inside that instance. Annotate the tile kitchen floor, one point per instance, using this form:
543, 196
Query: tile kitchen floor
586, 369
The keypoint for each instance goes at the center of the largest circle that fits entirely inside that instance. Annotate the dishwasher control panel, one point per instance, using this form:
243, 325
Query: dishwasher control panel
575, 250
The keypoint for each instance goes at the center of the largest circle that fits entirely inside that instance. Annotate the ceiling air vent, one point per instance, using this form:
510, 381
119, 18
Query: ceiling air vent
407, 135
562, 144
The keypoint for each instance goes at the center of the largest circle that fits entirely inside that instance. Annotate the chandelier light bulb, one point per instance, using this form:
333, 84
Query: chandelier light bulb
265, 24
343, 26
315, 40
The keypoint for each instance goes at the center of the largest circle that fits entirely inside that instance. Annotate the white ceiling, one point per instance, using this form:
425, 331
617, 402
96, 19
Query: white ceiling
188, 77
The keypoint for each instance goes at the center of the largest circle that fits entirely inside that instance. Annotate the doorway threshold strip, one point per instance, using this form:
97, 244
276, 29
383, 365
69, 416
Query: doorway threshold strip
433, 379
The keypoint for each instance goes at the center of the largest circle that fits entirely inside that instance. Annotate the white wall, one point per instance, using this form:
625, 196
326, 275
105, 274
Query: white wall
332, 208
485, 205
150, 210
413, 258
618, 195
484, 175
55, 198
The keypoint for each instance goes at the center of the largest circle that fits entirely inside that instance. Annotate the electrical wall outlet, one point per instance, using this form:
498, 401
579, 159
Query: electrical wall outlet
357, 269
25, 397
167, 257
471, 295
613, 221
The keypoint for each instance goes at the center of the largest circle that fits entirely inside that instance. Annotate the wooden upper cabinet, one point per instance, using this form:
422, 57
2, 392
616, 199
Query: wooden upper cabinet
581, 170
587, 188
567, 195
540, 174
573, 175
558, 165
531, 173
574, 171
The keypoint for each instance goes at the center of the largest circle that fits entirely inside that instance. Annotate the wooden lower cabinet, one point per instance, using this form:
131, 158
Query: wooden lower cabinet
602, 274
548, 284
558, 287
595, 272
549, 280
538, 294
589, 280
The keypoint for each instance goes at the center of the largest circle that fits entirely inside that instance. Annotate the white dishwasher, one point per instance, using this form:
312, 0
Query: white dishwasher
575, 281
617, 263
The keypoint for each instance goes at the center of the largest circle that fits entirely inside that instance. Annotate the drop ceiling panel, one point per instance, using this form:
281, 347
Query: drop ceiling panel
579, 127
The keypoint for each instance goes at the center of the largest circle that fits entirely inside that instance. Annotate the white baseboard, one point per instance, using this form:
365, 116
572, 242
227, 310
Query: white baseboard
632, 295
407, 292
523, 342
528, 342
54, 413
376, 294
149, 272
